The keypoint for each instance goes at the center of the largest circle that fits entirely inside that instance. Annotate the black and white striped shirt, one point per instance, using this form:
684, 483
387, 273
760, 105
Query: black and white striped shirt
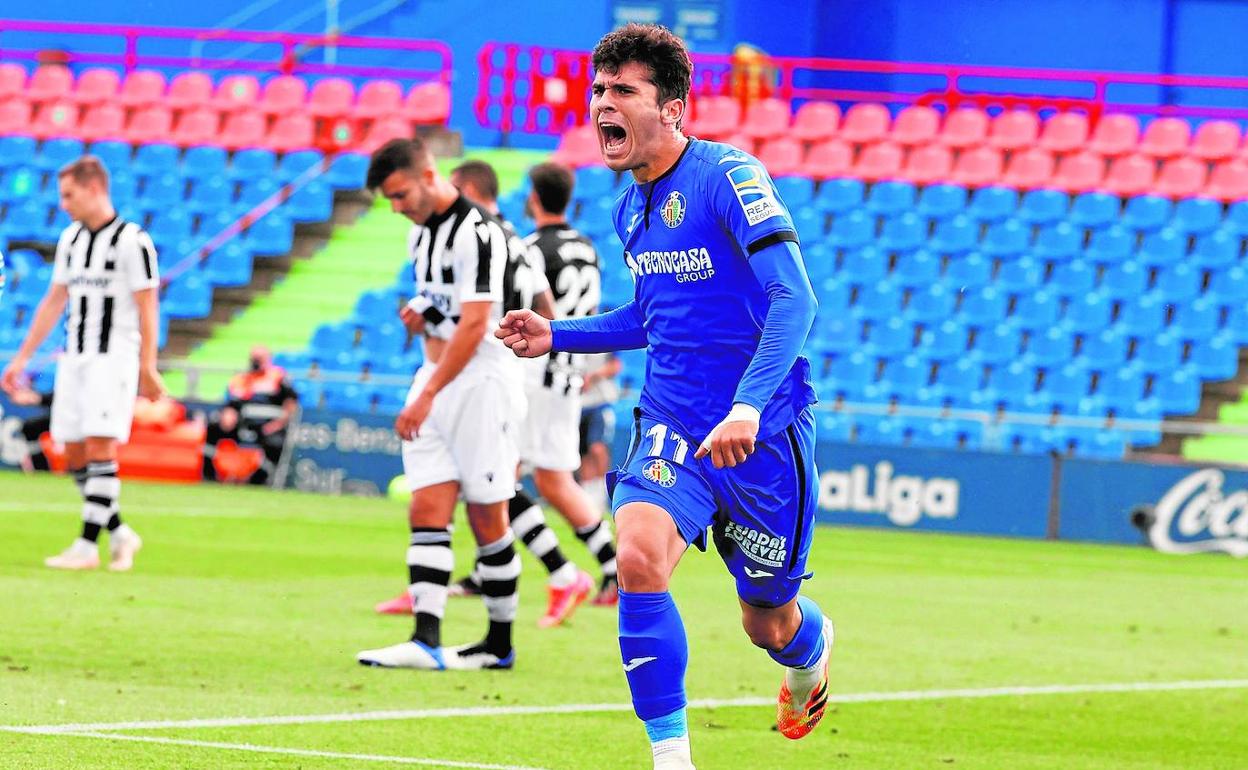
465, 255
102, 269
570, 266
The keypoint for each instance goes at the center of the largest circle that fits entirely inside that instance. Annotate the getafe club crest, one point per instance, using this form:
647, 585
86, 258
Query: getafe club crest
673, 210
658, 471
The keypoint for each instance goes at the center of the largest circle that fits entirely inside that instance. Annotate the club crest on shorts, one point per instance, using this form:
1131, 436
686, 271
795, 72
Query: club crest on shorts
658, 471
673, 209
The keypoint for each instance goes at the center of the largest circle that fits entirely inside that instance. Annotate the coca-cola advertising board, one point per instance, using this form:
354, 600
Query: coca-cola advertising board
1173, 508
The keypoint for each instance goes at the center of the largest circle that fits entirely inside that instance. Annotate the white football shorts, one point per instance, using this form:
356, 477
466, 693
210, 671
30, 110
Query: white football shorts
552, 431
94, 397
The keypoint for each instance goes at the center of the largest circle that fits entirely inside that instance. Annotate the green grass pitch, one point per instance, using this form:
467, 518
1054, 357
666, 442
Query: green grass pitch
251, 603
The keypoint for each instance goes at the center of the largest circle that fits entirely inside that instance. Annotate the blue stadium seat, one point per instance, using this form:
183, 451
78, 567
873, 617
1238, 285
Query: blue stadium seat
594, 182
1143, 317
295, 363
820, 262
57, 152
852, 230
330, 339
1088, 312
881, 430
997, 345
890, 337
993, 204
984, 306
1072, 279
1020, 276
19, 184
28, 221
1146, 213
155, 160
838, 196
960, 376
1198, 319
833, 426
314, 202
1067, 385
1037, 309
1012, 380
272, 235
941, 201
837, 335
968, 271
114, 155
384, 340
796, 191
405, 279
945, 341
1094, 210
917, 268
1007, 238
1163, 247
1178, 391
209, 195
1122, 386
374, 307
170, 225
834, 296
1219, 248
903, 377
1105, 350
1237, 218
348, 171
205, 162
890, 197
1124, 281
1049, 347
292, 164
864, 265
16, 151
347, 397
161, 192
902, 233
811, 224
123, 188
1179, 283
253, 164
1110, 245
1216, 357
1196, 215
931, 304
878, 301
1158, 353
1057, 242
1043, 207
851, 374
189, 296
1229, 285
1103, 445
229, 265
940, 434
956, 235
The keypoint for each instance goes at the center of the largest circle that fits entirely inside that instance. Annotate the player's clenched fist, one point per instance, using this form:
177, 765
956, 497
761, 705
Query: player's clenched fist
525, 332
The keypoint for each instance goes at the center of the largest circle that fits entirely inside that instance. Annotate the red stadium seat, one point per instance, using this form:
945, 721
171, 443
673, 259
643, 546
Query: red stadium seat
141, 89
1216, 140
1080, 172
964, 127
294, 131
578, 146
237, 92
866, 123
573, 150
714, 117
1166, 138
781, 156
1181, 177
1229, 181
815, 121
244, 130
96, 86
331, 98
15, 117
150, 124
915, 125
54, 119
1014, 130
379, 98
928, 164
284, 94
1064, 132
878, 161
977, 167
1029, 169
428, 104
829, 159
189, 91
103, 121
1115, 135
1130, 175
741, 142
197, 127
50, 83
12, 80
766, 119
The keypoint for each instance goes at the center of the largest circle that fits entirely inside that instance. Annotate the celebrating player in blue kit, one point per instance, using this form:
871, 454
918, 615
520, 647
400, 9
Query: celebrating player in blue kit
724, 435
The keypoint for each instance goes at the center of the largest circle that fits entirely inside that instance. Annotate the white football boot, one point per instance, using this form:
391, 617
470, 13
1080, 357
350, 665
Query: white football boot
473, 657
81, 554
404, 655
123, 544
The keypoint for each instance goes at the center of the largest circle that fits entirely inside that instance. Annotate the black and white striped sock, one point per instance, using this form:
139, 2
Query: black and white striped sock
100, 490
529, 524
499, 566
597, 538
429, 565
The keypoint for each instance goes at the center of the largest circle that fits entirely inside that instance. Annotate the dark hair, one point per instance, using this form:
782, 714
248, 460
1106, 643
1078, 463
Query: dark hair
655, 46
553, 184
396, 155
480, 175
85, 169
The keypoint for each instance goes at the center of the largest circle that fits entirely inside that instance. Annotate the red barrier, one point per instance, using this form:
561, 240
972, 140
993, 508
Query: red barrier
542, 90
80, 40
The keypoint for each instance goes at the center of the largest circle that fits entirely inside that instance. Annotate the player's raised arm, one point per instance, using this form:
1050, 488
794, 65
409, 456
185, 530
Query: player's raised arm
620, 329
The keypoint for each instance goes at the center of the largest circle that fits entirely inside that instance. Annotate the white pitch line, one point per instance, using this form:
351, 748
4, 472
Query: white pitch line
585, 708
427, 762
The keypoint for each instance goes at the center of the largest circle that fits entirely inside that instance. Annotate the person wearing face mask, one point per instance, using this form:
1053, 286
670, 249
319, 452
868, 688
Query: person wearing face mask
260, 405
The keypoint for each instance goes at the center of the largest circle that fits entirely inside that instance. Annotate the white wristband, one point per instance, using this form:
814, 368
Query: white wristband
743, 413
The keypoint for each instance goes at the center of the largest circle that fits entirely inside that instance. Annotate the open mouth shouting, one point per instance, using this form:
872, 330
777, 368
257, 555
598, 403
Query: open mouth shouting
614, 139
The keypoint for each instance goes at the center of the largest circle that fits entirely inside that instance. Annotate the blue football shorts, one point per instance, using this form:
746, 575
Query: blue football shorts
761, 513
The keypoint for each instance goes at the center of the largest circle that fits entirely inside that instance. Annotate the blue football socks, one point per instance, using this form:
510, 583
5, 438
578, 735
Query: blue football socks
655, 654
806, 646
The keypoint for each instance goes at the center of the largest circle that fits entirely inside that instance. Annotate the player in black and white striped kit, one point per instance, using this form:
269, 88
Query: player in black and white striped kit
463, 412
106, 273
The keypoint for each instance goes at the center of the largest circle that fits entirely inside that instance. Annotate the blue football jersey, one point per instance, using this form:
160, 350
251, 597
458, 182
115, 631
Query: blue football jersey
688, 237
